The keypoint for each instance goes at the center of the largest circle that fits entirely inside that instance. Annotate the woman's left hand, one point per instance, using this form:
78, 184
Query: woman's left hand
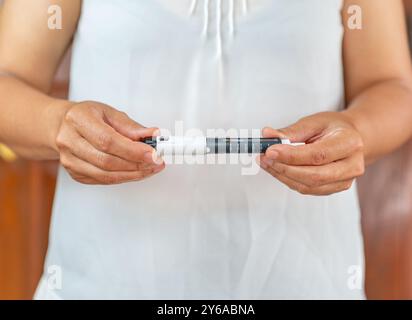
329, 162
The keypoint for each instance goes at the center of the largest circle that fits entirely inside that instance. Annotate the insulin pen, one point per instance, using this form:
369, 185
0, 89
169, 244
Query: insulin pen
204, 145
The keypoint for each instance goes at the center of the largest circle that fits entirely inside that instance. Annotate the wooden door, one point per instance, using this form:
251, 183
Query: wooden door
26, 193
26, 197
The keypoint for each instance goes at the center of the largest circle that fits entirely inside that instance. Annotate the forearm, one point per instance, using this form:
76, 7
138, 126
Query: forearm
383, 116
29, 119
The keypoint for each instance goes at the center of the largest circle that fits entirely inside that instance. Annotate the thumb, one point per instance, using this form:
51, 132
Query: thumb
126, 126
301, 131
269, 132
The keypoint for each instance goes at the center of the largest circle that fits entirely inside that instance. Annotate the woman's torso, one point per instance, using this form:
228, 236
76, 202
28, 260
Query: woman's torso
206, 231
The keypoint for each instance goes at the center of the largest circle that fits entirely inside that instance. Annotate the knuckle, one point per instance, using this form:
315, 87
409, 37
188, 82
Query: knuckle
280, 169
71, 115
289, 157
303, 190
358, 145
360, 170
347, 185
103, 160
61, 140
316, 179
92, 108
64, 161
319, 157
105, 142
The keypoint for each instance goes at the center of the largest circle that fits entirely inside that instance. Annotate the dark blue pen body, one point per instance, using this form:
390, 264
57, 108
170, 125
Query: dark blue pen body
240, 145
178, 145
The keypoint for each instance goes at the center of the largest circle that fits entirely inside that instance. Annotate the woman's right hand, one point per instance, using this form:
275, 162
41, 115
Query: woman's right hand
100, 145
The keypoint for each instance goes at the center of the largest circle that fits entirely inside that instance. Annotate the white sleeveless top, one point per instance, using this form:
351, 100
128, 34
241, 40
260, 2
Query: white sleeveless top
206, 231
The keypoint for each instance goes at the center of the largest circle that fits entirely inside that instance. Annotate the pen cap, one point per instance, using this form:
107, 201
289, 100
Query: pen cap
151, 142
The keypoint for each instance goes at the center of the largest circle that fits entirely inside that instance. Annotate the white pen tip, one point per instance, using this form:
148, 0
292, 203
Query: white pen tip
287, 141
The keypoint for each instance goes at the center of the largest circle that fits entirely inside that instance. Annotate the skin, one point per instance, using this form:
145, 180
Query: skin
99, 145
95, 143
379, 109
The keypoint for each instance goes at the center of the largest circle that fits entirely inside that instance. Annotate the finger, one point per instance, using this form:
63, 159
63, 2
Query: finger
82, 168
315, 191
82, 149
92, 181
337, 145
126, 126
269, 132
81, 178
301, 131
315, 176
105, 139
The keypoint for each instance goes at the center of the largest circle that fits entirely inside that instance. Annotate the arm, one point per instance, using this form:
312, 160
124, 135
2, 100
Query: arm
378, 77
378, 117
96, 143
29, 56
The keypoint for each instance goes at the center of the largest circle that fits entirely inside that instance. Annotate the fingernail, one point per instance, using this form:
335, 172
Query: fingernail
272, 154
150, 157
262, 164
268, 162
158, 169
265, 130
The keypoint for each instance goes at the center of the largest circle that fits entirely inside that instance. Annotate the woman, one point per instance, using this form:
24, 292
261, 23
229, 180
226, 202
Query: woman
206, 231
